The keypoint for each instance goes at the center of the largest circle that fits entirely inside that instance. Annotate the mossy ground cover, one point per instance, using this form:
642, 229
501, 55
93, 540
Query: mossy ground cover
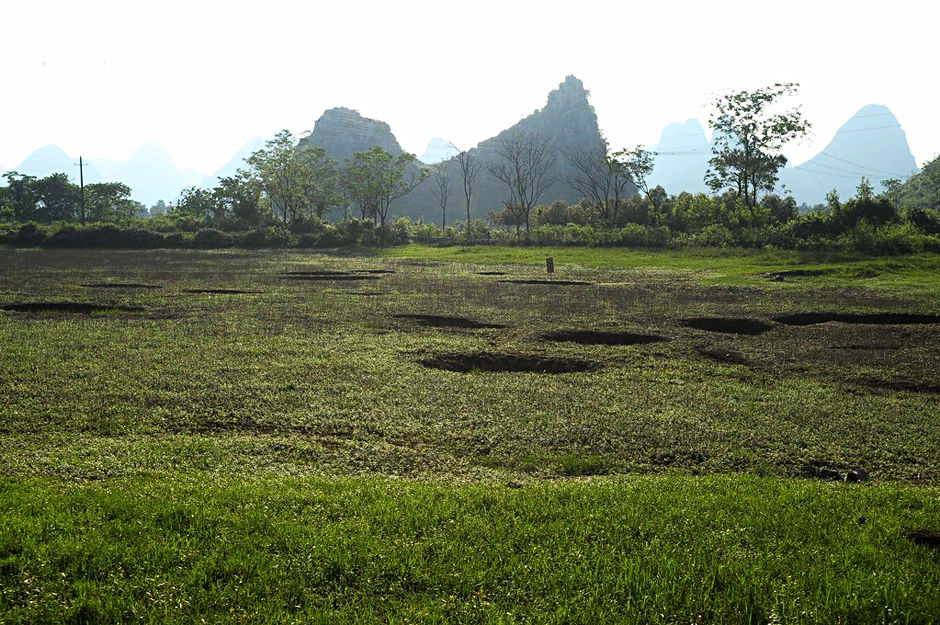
251, 409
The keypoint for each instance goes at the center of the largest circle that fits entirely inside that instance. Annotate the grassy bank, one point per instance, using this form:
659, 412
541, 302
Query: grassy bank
662, 549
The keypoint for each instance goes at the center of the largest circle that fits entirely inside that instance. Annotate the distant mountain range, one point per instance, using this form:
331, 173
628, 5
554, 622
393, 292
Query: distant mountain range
871, 143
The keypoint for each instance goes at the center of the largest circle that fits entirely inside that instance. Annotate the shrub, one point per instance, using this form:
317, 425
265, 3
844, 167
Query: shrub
29, 234
106, 236
210, 238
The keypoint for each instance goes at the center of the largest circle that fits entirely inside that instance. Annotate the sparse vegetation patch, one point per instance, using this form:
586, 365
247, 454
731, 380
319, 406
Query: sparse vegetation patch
507, 363
443, 321
601, 337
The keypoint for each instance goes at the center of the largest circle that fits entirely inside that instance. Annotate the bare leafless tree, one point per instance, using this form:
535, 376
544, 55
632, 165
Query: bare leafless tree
605, 178
527, 169
441, 189
601, 179
469, 171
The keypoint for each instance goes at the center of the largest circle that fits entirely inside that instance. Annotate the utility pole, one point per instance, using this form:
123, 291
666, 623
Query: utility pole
81, 183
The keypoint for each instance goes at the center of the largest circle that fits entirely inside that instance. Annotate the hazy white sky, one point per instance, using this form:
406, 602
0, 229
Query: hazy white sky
200, 78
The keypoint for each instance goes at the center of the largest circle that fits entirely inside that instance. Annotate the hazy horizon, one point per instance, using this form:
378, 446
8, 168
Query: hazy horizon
201, 81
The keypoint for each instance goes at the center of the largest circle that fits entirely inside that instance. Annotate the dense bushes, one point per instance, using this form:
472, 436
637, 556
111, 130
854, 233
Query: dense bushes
865, 223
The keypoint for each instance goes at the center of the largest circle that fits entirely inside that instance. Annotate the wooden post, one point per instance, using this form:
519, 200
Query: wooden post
550, 265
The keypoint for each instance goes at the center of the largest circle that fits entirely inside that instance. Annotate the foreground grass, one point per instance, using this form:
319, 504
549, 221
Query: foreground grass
655, 549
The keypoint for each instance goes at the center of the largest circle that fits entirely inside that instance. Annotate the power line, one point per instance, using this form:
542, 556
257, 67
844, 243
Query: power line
880, 171
867, 129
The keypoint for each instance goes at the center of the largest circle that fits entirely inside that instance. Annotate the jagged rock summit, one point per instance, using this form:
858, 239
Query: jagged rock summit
568, 123
342, 132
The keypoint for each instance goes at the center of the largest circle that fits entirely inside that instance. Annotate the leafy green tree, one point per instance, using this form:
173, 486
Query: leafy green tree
374, 179
295, 177
109, 201
238, 197
22, 196
59, 199
921, 191
749, 134
199, 204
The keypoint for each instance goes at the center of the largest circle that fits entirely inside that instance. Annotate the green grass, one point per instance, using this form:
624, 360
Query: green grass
662, 549
235, 456
915, 273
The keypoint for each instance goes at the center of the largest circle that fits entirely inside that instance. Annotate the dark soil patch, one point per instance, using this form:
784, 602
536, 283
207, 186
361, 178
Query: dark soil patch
365, 293
813, 318
821, 473
796, 273
120, 285
221, 291
491, 273
439, 321
727, 325
723, 356
318, 272
376, 271
550, 282
331, 277
599, 337
83, 308
912, 386
927, 538
507, 363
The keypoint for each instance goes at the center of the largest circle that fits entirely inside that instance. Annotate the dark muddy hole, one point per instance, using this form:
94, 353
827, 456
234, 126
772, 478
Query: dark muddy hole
376, 271
508, 363
120, 285
813, 318
365, 293
83, 308
599, 337
441, 321
491, 273
911, 386
318, 272
548, 282
927, 538
796, 273
221, 291
728, 325
321, 277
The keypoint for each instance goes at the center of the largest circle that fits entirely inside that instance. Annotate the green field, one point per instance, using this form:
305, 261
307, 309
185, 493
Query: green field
327, 439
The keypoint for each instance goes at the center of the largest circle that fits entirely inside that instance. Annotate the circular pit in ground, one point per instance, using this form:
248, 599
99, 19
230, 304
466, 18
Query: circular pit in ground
83, 308
507, 363
813, 318
120, 285
548, 282
220, 291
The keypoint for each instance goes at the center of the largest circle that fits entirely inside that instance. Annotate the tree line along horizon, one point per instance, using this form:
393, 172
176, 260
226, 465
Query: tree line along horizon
294, 186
